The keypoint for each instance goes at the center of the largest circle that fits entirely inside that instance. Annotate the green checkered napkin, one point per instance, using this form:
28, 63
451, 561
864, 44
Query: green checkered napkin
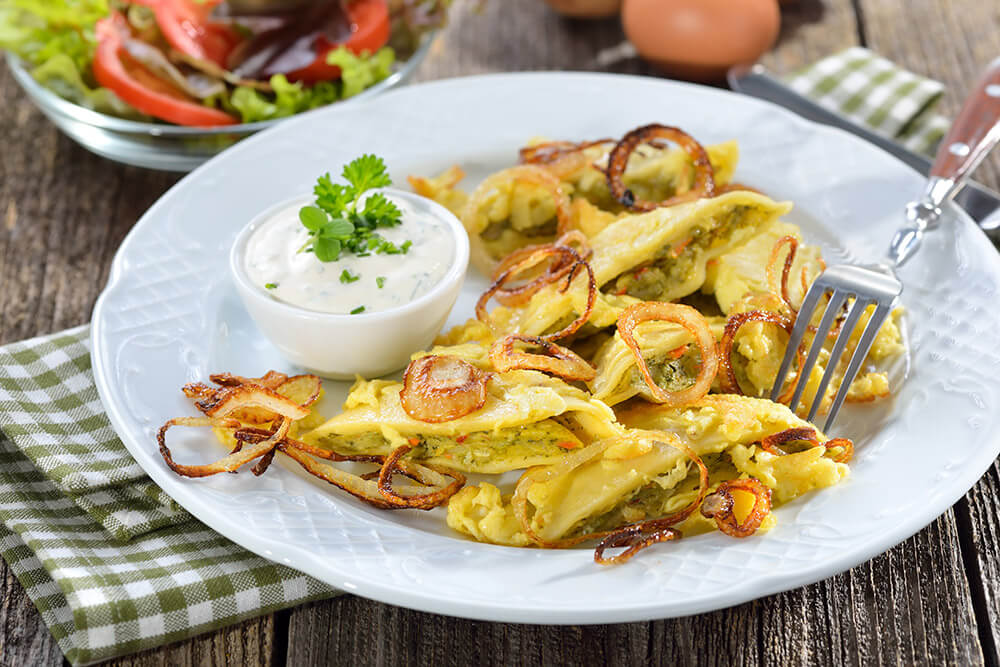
112, 563
876, 93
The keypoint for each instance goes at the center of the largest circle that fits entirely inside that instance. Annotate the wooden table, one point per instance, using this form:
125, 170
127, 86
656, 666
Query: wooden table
933, 599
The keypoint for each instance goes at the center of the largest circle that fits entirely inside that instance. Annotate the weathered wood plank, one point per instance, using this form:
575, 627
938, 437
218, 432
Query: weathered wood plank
908, 606
248, 643
24, 639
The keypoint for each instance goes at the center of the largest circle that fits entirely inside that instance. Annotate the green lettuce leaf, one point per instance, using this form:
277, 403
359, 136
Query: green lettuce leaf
357, 74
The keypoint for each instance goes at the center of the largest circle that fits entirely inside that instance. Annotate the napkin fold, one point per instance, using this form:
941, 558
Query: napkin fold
113, 564
876, 93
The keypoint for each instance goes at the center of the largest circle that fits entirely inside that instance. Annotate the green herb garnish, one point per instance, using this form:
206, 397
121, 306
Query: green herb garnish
359, 309
380, 281
270, 285
338, 221
348, 277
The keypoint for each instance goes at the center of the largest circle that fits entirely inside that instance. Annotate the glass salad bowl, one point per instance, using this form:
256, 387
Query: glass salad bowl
160, 145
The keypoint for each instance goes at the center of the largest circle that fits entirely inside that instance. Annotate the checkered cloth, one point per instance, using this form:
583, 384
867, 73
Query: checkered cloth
877, 94
112, 563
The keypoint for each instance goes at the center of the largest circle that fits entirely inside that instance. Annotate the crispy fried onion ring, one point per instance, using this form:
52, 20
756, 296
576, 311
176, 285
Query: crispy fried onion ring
779, 287
730, 385
434, 485
637, 536
440, 388
533, 259
425, 474
704, 180
695, 324
806, 434
561, 158
523, 260
719, 506
528, 174
234, 460
557, 360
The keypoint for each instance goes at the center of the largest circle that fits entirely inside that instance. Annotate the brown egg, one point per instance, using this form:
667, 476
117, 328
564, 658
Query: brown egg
586, 9
701, 39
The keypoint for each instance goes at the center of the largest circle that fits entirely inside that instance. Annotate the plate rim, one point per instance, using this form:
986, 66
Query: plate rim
498, 611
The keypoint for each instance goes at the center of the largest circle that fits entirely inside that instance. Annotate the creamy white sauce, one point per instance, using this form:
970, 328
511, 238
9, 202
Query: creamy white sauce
300, 279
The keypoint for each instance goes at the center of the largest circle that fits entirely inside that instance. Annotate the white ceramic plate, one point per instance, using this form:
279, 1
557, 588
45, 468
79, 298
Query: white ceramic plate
169, 315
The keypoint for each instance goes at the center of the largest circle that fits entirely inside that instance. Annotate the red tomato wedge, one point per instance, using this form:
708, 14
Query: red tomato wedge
369, 32
132, 82
187, 27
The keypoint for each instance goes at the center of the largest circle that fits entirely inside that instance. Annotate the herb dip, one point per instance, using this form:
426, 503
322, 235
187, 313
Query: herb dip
352, 283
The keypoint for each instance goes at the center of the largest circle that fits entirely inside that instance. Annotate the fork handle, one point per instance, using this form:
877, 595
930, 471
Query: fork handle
974, 133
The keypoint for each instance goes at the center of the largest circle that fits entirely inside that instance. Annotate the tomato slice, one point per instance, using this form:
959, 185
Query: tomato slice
186, 26
369, 32
136, 85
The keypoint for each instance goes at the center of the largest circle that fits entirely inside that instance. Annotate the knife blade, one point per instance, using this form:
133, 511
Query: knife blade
981, 203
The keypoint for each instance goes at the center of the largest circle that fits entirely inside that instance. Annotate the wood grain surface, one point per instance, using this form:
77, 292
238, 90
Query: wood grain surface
934, 599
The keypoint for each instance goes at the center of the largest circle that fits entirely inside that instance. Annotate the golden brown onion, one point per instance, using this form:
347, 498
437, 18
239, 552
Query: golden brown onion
704, 180
523, 261
695, 324
557, 360
227, 464
729, 383
719, 506
424, 501
779, 287
538, 255
439, 388
807, 434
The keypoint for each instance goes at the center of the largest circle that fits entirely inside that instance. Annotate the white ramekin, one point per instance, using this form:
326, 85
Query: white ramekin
367, 344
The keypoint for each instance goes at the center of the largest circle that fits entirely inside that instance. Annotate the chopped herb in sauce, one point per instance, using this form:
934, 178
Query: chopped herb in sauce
347, 277
359, 309
380, 281
270, 285
338, 221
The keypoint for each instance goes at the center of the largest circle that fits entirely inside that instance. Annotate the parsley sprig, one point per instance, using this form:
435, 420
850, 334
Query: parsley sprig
339, 221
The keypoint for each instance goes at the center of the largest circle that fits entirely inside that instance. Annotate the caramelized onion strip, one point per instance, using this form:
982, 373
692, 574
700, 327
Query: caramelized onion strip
229, 399
570, 274
440, 388
695, 324
719, 506
770, 444
779, 287
563, 259
234, 460
704, 181
423, 501
729, 383
557, 360
561, 158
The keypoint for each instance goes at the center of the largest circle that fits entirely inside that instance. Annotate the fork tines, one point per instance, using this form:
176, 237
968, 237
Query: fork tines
847, 286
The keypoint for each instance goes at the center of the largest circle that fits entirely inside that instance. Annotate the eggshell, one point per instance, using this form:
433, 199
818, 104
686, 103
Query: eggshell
586, 9
701, 39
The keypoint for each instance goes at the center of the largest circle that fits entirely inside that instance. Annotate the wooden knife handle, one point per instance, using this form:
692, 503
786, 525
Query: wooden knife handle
974, 133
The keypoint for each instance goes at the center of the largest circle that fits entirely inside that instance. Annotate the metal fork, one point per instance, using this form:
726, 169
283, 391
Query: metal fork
974, 133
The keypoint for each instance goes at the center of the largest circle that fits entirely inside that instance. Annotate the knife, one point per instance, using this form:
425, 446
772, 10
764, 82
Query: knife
982, 203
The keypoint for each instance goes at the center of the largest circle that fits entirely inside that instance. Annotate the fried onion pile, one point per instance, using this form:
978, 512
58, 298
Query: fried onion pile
258, 415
